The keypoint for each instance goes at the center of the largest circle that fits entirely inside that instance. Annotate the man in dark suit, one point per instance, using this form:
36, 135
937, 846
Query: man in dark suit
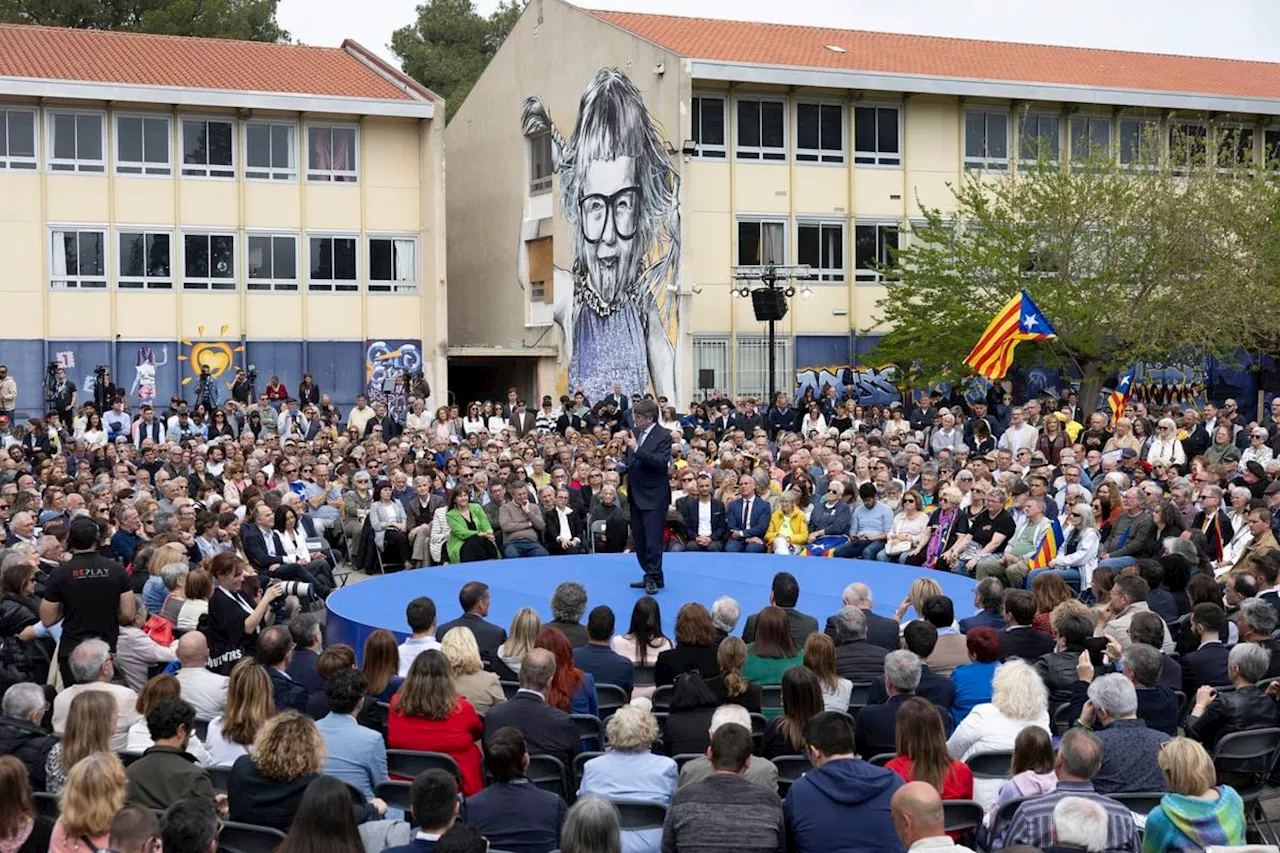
434, 795
649, 491
856, 659
522, 420
266, 554
988, 595
275, 652
748, 519
547, 730
597, 658
513, 813
881, 631
785, 593
1019, 639
1208, 663
474, 598
877, 724
919, 638
705, 518
308, 642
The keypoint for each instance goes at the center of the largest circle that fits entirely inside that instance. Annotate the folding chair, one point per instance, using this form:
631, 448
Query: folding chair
548, 773
635, 814
882, 759
771, 696
684, 758
611, 697
580, 766
590, 728
396, 793
662, 697
790, 769
408, 763
1253, 753
219, 777
990, 765
1061, 719
962, 815
1139, 803
598, 528
246, 838
509, 688
858, 697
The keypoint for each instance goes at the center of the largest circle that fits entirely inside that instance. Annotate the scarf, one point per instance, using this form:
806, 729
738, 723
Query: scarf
1188, 824
941, 532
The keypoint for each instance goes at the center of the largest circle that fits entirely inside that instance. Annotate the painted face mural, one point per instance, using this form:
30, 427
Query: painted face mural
617, 307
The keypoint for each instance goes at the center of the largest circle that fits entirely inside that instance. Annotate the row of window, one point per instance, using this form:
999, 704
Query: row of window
144, 260
821, 244
751, 355
210, 147
820, 131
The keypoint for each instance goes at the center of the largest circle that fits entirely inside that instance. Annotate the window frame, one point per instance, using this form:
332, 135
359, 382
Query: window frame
273, 283
210, 283
77, 281
761, 153
984, 162
1039, 115
762, 219
1109, 121
1217, 130
821, 156
273, 174
863, 275
1270, 163
724, 342
334, 285
704, 150
1158, 127
1185, 164
9, 162
540, 185
333, 177
75, 165
392, 286
875, 158
144, 282
825, 274
145, 169
784, 363
205, 171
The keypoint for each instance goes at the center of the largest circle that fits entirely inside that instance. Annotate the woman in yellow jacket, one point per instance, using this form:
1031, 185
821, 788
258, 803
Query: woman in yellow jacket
787, 532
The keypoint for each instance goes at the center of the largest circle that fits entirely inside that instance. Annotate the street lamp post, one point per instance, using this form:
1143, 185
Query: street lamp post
770, 301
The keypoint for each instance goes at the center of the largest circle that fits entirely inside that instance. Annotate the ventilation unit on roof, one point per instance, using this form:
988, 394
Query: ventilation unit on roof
835, 48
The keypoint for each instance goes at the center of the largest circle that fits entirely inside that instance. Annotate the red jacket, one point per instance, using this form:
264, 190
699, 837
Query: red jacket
455, 736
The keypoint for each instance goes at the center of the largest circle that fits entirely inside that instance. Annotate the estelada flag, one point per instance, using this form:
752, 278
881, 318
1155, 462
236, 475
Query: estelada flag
1019, 320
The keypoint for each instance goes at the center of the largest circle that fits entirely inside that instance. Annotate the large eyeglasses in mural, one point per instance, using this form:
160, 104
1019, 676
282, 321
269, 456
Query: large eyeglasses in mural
618, 306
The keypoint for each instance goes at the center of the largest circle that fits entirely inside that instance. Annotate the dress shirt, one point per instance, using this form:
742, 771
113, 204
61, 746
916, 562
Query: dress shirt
704, 517
413, 647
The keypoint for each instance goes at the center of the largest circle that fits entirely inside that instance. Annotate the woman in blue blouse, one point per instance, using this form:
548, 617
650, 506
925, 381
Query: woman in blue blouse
973, 680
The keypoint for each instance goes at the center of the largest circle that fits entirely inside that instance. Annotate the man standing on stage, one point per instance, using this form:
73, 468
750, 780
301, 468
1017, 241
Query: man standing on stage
649, 490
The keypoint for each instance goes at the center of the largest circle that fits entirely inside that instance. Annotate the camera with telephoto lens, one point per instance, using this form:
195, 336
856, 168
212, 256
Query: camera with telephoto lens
100, 370
253, 373
301, 589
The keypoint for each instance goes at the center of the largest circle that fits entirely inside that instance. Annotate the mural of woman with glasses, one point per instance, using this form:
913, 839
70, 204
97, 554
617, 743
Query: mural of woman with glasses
618, 305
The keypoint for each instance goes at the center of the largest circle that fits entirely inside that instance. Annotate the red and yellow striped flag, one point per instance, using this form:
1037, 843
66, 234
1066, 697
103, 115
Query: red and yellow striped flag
1019, 320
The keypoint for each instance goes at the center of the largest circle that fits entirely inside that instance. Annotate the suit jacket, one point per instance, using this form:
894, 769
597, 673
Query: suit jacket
288, 693
488, 635
719, 518
417, 845
1024, 642
937, 689
756, 525
860, 661
881, 631
303, 671
648, 487
877, 726
950, 652
415, 514
523, 423
802, 624
518, 816
983, 619
1205, 665
547, 730
551, 529
255, 547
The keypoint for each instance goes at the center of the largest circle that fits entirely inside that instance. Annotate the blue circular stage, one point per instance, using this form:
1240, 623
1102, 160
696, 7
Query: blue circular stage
379, 602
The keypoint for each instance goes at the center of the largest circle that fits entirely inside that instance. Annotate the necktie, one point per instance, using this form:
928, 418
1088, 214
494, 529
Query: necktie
746, 512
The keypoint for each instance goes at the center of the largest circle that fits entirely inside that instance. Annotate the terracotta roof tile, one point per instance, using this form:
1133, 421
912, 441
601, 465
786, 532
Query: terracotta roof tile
781, 44
103, 56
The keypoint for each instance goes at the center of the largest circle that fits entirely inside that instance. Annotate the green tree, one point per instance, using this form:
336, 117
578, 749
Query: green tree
239, 19
1129, 264
450, 44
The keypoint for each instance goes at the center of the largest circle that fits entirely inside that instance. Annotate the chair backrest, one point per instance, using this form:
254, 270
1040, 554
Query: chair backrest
1249, 751
684, 758
771, 696
46, 804
1139, 802
859, 695
580, 765
662, 697
611, 697
409, 763
1004, 814
962, 815
599, 527
590, 727
202, 729
1061, 719
246, 838
640, 815
882, 759
548, 773
219, 777
790, 769
509, 688
990, 765
395, 793
661, 718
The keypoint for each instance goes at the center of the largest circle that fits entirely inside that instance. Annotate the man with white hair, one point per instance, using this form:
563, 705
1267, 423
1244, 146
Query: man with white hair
1079, 824
92, 669
725, 613
1129, 748
203, 690
21, 711
876, 729
856, 658
881, 631
761, 771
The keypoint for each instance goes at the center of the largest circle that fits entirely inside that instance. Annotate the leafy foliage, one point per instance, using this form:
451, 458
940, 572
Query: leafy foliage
240, 19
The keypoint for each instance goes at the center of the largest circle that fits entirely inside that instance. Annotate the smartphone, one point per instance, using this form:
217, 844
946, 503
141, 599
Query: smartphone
1095, 647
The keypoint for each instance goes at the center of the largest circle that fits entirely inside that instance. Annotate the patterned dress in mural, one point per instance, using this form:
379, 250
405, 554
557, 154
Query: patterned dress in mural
608, 348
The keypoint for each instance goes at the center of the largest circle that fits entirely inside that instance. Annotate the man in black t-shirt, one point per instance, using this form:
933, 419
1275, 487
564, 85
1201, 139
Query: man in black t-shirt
89, 593
991, 528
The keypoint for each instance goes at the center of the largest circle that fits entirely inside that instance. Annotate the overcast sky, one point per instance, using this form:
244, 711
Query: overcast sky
1241, 29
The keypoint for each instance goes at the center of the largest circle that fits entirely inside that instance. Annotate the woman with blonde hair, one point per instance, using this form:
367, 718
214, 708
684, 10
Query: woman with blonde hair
89, 801
731, 686
91, 722
820, 657
160, 687
1197, 813
788, 532
482, 689
922, 589
521, 636
946, 524
17, 809
250, 703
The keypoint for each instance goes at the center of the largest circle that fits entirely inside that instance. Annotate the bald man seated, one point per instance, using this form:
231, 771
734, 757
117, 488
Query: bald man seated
201, 689
919, 821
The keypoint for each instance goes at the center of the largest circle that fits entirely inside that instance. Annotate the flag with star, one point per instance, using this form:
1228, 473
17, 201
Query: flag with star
1120, 397
1019, 320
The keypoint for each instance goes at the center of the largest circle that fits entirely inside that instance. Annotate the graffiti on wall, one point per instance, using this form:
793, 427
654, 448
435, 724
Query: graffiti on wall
146, 364
1172, 384
218, 356
388, 370
617, 306
867, 385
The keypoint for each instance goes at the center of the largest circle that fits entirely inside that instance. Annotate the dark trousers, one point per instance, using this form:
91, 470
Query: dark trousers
647, 526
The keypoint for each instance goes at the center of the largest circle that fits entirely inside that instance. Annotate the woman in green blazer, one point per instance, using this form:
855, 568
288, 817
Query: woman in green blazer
470, 534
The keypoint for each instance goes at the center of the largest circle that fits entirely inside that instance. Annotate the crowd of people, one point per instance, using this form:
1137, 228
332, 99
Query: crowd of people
161, 570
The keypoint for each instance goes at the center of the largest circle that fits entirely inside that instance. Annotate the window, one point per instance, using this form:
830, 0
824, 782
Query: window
1139, 141
874, 246
144, 259
393, 265
333, 264
77, 142
820, 133
269, 151
78, 259
540, 166
1090, 137
711, 354
208, 148
762, 243
331, 153
762, 129
209, 262
708, 126
542, 270
820, 245
1234, 146
17, 139
142, 145
1038, 138
753, 366
875, 136
1271, 148
273, 261
986, 140
1188, 141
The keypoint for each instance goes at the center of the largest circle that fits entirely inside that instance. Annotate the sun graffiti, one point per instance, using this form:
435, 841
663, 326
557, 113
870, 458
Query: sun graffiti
218, 356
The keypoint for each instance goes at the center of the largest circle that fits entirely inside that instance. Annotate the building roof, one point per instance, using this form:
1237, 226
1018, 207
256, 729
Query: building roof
951, 58
30, 53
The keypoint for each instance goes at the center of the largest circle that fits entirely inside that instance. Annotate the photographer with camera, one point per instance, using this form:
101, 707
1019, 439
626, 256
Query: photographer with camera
104, 392
234, 618
242, 387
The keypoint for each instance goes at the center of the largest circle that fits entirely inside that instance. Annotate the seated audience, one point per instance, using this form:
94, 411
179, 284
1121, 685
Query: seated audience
135, 830
523, 633
513, 813
354, 754
568, 603
631, 771
421, 616
275, 652
89, 730
784, 593
773, 652
1158, 706
920, 638
696, 647
474, 598
18, 830
973, 679
22, 707
166, 772
856, 658
571, 689
1206, 662
1058, 667
203, 690
89, 801
801, 702
547, 730
598, 659
1197, 813
325, 820
820, 659
1030, 770
140, 738
731, 685
878, 723
1217, 713
380, 666
1079, 824
761, 771
249, 705
591, 826
434, 794
643, 643
470, 679
428, 715
91, 666
922, 751
1019, 638
950, 651
919, 819
689, 716
1129, 747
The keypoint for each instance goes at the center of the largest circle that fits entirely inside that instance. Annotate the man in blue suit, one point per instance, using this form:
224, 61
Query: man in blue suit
704, 517
649, 490
748, 519
434, 795
989, 596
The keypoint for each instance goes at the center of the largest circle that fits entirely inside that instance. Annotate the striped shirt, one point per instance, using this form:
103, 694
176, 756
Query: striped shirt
1032, 823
